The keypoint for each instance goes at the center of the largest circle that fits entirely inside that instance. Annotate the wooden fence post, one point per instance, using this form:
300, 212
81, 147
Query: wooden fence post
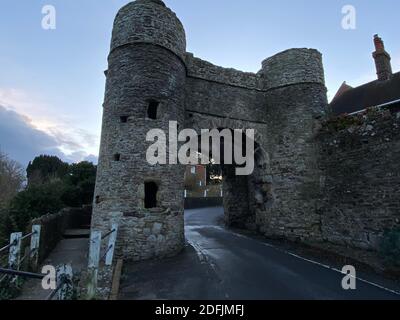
15, 250
111, 244
93, 265
34, 248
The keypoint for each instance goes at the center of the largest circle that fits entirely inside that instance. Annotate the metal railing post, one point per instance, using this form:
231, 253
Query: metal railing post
34, 248
111, 245
93, 265
15, 250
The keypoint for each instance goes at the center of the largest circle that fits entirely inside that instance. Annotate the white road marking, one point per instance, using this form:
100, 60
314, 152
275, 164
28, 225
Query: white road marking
288, 253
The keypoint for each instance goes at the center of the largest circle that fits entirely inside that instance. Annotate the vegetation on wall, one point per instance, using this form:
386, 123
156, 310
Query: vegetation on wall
362, 119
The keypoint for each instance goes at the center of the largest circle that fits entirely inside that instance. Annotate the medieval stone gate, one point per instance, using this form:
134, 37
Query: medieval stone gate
152, 80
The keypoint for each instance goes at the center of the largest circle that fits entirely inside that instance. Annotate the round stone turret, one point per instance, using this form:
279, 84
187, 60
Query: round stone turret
145, 90
293, 66
149, 21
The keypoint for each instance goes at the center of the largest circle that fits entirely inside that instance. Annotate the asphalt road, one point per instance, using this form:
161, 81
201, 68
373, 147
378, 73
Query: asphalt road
219, 263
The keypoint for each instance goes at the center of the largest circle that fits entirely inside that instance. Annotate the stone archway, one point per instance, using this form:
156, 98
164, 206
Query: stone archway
245, 197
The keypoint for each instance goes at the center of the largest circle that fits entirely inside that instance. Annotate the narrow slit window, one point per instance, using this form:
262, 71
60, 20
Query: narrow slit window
124, 119
152, 109
150, 195
117, 157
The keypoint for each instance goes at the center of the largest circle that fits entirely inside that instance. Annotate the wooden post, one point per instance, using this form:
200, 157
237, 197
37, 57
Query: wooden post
34, 248
111, 244
15, 251
93, 265
116, 280
65, 276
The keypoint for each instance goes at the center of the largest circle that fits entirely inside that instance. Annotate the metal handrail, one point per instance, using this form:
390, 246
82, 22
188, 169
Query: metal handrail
22, 273
28, 235
12, 271
37, 276
27, 255
15, 241
3, 278
8, 246
105, 253
108, 234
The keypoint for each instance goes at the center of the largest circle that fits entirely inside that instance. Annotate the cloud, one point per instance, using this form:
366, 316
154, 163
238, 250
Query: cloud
53, 121
29, 126
22, 141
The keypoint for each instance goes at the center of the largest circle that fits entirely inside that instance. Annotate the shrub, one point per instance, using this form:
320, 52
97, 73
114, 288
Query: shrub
35, 202
343, 122
390, 247
10, 287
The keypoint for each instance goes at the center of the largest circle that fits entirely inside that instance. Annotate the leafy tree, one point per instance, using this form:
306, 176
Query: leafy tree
34, 202
80, 183
52, 185
82, 171
44, 169
6, 226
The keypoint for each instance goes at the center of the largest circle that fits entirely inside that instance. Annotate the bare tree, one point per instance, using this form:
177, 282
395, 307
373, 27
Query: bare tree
11, 178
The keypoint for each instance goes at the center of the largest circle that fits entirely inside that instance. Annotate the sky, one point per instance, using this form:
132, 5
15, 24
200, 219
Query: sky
52, 81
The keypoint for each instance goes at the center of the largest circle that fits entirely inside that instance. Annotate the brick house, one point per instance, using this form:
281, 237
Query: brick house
383, 92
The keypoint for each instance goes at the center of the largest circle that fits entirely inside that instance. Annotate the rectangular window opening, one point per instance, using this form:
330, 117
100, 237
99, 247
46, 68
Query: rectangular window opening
150, 195
152, 109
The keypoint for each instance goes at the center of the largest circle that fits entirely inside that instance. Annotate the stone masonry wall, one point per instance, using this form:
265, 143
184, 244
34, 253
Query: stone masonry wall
120, 184
293, 66
291, 210
201, 69
360, 158
224, 100
146, 21
146, 66
284, 103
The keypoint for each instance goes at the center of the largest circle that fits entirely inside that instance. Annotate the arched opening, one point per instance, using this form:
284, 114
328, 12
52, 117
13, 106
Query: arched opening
226, 196
150, 194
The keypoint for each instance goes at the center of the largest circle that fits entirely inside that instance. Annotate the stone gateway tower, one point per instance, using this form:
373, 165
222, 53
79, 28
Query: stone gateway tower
145, 89
152, 80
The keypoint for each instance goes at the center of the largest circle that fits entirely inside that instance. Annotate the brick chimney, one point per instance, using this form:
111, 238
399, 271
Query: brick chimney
382, 60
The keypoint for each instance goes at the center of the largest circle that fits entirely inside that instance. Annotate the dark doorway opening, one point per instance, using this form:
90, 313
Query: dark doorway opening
150, 195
